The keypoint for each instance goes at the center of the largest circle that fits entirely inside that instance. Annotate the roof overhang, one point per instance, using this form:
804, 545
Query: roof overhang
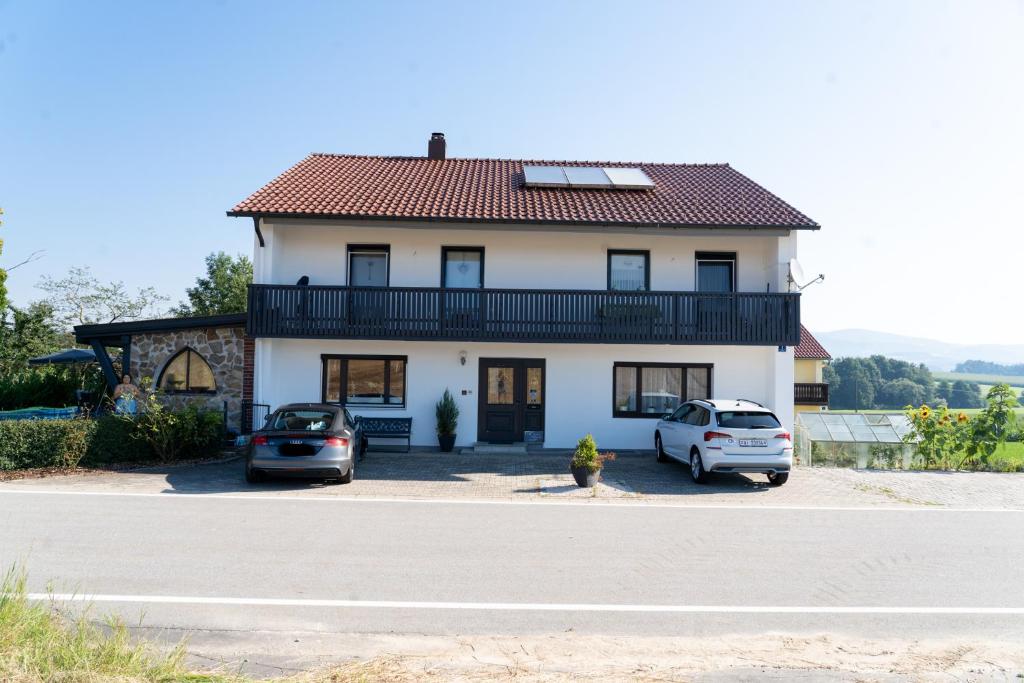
112, 333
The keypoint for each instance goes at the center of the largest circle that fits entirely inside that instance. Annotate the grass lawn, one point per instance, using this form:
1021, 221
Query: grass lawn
1012, 453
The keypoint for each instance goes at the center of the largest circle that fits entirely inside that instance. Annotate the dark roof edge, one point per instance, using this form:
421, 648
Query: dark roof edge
85, 333
525, 221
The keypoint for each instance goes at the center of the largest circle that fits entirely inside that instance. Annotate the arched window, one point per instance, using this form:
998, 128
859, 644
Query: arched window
187, 371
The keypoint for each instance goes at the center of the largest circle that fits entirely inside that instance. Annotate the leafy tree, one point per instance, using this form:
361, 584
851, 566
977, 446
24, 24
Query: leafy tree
988, 368
899, 393
81, 299
944, 391
965, 395
858, 378
223, 290
26, 333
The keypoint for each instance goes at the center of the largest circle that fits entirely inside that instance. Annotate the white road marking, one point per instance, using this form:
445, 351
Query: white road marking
521, 606
630, 503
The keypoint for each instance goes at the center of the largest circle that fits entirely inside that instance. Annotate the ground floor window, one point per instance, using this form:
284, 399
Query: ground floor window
364, 380
654, 389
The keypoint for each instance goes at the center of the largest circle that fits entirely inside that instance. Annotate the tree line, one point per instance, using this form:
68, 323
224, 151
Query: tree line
878, 382
984, 367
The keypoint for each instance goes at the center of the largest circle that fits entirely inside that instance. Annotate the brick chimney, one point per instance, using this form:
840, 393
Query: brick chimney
436, 146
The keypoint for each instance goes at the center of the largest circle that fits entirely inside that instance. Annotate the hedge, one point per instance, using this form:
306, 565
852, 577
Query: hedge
84, 441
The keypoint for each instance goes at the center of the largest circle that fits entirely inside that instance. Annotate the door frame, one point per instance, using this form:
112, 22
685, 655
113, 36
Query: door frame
519, 398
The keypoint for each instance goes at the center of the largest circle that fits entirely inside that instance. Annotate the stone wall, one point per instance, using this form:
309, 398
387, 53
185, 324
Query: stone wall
222, 347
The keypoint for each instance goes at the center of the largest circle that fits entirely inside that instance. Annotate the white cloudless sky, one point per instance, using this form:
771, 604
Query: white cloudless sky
128, 129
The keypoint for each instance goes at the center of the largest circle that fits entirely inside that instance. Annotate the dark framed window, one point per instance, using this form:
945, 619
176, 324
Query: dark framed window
629, 270
187, 373
363, 380
369, 265
650, 390
462, 267
716, 271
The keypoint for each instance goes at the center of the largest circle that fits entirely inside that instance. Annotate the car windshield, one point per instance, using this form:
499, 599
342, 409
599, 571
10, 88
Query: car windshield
302, 420
748, 419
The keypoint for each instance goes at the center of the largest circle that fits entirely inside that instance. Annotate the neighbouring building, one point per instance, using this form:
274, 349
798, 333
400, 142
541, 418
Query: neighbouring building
205, 361
553, 298
810, 391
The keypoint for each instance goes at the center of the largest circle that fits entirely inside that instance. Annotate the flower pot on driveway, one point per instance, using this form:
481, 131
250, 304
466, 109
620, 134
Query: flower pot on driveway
446, 442
584, 477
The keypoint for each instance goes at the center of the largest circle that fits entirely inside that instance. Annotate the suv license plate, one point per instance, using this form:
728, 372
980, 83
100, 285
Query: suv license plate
753, 442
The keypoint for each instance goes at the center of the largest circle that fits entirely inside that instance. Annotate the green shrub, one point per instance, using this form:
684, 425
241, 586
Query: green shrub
50, 386
164, 436
114, 440
586, 455
43, 443
447, 413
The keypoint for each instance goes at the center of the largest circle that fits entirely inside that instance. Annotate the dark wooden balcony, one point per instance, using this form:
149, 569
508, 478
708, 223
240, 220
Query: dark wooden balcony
523, 315
811, 394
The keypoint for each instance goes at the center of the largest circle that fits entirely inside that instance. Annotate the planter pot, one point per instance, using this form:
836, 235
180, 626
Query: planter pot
446, 442
584, 477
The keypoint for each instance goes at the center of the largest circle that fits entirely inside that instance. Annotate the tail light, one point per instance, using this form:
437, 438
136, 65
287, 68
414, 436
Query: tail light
784, 435
708, 436
336, 441
259, 440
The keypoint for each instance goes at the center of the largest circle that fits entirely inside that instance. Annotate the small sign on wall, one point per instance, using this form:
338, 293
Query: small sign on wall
533, 437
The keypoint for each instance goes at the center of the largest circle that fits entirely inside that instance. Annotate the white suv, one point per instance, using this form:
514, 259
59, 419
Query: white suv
733, 435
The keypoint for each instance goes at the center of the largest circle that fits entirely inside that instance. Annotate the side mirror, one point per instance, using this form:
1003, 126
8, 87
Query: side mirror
266, 421
667, 416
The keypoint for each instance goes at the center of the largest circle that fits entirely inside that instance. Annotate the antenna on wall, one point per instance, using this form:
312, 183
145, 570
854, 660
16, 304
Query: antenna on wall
796, 277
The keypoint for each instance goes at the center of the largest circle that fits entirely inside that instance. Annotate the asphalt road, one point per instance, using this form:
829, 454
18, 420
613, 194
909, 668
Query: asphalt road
423, 567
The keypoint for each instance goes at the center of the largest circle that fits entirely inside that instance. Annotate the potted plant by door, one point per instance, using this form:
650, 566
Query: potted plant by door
447, 420
587, 462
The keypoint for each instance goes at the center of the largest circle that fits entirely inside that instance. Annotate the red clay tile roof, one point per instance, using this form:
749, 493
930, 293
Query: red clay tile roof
809, 347
492, 190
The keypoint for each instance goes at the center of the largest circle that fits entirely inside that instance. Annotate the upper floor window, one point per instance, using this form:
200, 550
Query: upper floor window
368, 265
462, 267
187, 371
629, 271
716, 271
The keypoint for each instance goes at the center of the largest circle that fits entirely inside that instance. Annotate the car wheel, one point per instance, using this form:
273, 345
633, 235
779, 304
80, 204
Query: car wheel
347, 479
254, 476
660, 449
697, 471
778, 478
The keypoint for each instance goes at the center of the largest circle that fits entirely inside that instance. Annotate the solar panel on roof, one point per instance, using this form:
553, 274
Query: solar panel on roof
587, 177
545, 176
629, 178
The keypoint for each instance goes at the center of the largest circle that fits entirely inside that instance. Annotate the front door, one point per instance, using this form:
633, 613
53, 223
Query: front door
511, 399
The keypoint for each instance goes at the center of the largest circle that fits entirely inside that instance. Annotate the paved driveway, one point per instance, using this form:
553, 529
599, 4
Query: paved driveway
542, 477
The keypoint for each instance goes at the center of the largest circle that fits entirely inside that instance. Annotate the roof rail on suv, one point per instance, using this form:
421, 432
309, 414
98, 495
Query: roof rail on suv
747, 400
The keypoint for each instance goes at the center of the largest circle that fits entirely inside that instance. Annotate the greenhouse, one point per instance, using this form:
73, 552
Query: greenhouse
853, 440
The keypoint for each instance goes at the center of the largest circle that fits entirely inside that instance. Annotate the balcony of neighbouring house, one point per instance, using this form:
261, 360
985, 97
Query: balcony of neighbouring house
810, 393
523, 315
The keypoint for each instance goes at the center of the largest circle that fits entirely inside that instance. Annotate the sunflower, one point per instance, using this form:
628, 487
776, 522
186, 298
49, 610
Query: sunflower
962, 417
925, 412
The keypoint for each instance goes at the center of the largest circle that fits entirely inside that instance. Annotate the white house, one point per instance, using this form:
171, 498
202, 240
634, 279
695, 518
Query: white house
552, 298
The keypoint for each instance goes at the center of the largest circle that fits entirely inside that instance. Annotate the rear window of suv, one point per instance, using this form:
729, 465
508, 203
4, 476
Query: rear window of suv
748, 419
303, 421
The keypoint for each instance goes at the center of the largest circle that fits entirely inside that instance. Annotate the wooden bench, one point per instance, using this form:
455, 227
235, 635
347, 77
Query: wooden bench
387, 428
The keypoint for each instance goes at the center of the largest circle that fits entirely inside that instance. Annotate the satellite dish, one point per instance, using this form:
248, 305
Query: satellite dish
797, 279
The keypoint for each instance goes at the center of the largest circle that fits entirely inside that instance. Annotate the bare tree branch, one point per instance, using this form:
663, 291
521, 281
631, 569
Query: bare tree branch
34, 256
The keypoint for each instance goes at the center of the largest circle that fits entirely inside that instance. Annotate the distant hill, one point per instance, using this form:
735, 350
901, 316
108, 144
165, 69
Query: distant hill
937, 355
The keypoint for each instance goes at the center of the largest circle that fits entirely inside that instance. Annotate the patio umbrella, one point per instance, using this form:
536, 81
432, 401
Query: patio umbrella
65, 357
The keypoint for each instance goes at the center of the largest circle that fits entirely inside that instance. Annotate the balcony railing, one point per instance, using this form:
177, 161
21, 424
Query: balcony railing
811, 394
523, 315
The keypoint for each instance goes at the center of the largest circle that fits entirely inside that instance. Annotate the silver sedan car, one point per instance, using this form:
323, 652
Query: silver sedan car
307, 440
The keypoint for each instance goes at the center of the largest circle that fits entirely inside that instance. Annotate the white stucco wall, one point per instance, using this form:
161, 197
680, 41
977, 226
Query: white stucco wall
515, 259
579, 382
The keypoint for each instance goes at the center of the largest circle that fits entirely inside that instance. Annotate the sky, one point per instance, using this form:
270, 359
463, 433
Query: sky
128, 129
